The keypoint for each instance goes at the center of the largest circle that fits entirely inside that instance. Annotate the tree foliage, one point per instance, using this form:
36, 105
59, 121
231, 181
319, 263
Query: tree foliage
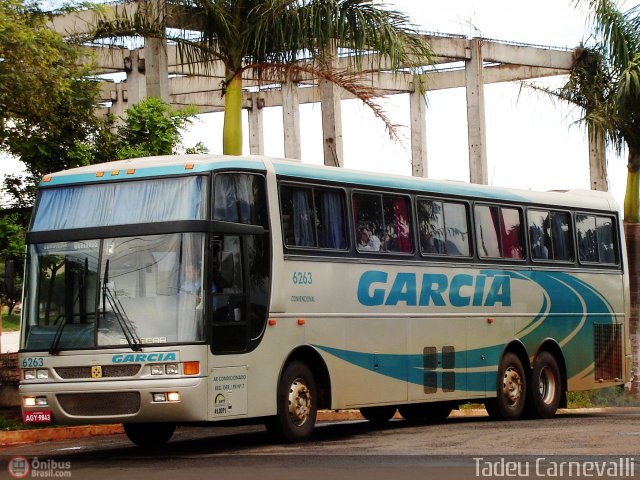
270, 38
47, 101
152, 127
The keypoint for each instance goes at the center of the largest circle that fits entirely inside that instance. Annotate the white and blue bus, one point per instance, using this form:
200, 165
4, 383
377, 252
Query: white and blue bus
188, 289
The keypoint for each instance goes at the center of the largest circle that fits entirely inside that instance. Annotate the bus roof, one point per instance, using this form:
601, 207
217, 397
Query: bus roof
171, 165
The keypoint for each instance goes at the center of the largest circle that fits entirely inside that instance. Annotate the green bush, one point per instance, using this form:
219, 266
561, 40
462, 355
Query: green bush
603, 397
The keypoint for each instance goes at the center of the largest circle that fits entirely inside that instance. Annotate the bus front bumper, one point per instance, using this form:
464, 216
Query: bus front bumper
179, 400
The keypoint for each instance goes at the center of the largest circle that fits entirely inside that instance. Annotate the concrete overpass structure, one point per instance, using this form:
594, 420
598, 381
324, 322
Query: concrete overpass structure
157, 70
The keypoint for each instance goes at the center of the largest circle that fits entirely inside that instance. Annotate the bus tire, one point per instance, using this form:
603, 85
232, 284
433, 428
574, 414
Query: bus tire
378, 414
425, 412
149, 434
297, 399
545, 386
511, 391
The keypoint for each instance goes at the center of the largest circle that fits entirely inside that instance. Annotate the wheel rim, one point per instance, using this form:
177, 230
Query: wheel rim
512, 386
547, 385
299, 402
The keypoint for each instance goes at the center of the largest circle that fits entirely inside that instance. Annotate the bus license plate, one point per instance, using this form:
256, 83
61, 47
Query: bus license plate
37, 417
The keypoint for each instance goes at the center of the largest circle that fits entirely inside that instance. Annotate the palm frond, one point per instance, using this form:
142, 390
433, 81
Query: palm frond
350, 81
288, 29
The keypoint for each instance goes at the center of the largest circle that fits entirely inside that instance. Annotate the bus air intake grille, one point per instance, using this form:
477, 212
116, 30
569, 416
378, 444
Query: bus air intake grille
99, 404
108, 371
607, 351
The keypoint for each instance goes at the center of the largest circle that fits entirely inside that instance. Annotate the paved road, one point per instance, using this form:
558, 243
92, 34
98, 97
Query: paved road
356, 449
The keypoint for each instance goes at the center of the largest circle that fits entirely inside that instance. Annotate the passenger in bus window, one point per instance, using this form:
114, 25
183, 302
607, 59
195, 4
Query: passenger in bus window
191, 284
368, 241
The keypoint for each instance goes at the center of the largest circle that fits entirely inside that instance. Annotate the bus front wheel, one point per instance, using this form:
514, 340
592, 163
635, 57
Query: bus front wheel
545, 389
511, 390
297, 403
149, 434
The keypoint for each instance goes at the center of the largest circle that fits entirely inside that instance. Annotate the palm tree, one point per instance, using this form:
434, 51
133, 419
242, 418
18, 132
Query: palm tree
278, 39
606, 84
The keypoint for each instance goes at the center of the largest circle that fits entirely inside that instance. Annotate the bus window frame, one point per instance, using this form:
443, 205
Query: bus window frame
616, 241
346, 210
412, 223
572, 230
470, 224
524, 242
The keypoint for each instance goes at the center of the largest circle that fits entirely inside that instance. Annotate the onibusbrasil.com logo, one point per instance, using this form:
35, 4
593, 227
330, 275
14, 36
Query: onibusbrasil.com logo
22, 467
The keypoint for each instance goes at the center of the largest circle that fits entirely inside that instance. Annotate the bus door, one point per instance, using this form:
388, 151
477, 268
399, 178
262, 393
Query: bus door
229, 296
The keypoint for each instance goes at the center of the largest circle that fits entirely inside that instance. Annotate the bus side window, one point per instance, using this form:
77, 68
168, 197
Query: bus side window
606, 243
298, 216
498, 232
369, 225
313, 217
488, 231
382, 223
443, 228
330, 218
456, 229
596, 239
561, 236
587, 238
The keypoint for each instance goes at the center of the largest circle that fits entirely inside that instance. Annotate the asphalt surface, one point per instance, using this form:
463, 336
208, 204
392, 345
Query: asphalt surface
461, 447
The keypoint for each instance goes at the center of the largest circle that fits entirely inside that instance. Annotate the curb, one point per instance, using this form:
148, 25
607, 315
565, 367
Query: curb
17, 437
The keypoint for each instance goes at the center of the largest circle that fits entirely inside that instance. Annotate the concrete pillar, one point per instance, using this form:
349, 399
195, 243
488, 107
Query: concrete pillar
291, 120
118, 102
155, 56
475, 114
136, 83
597, 161
418, 133
256, 131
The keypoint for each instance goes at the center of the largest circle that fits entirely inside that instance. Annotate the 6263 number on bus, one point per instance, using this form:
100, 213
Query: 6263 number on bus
302, 278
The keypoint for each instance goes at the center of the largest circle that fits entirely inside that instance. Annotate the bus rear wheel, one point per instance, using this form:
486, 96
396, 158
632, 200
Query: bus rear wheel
511, 390
297, 404
149, 435
425, 412
378, 414
545, 388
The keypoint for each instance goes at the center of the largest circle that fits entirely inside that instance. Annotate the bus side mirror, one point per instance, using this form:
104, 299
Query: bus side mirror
226, 270
10, 278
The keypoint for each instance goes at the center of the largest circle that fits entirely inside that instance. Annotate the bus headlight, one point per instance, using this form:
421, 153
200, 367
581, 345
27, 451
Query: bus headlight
165, 397
157, 370
35, 402
29, 374
172, 369
159, 397
42, 374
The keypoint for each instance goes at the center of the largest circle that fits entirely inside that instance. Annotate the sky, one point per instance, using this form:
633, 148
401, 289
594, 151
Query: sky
532, 143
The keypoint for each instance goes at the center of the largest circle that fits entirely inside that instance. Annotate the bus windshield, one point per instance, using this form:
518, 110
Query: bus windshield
114, 292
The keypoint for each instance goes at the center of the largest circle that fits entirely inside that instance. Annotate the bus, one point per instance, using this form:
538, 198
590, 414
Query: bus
176, 290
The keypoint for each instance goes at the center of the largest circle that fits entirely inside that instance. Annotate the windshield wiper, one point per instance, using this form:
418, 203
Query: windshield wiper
126, 326
55, 345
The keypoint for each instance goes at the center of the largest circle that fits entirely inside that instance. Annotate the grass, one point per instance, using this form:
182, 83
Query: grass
10, 323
